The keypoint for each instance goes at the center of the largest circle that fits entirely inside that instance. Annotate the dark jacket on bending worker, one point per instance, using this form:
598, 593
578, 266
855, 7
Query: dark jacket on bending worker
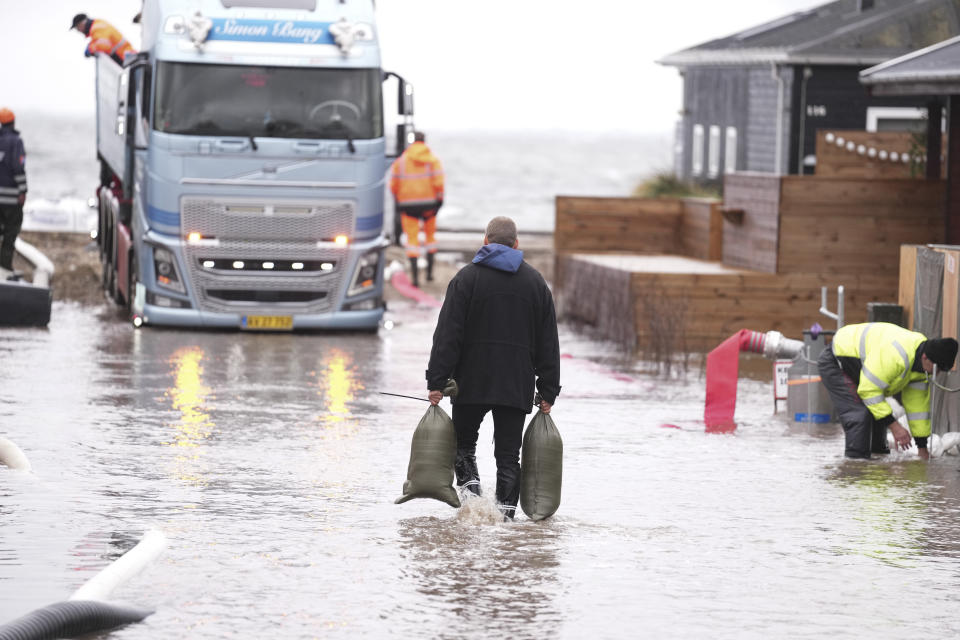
887, 358
13, 176
497, 333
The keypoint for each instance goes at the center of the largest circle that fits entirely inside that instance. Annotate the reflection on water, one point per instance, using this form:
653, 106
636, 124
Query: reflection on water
189, 396
889, 508
337, 386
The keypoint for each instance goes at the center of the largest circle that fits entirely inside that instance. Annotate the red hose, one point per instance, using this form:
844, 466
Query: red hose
723, 364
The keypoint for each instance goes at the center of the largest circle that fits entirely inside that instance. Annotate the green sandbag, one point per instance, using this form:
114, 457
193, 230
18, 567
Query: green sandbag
541, 468
432, 455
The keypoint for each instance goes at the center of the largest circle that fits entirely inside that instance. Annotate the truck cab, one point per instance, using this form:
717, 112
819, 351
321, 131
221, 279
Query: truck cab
243, 161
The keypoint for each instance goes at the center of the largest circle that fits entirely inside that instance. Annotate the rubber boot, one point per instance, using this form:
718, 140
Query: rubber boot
430, 267
879, 440
414, 272
468, 476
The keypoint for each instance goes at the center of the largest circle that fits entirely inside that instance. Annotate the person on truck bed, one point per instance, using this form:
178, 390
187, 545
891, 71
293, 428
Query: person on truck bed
104, 38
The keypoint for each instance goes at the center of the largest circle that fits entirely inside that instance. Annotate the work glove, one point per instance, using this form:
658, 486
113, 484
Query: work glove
87, 53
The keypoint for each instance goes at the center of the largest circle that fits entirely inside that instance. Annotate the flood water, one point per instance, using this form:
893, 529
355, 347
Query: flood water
271, 464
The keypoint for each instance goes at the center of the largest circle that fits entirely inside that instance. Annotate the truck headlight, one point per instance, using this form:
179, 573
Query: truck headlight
365, 275
165, 267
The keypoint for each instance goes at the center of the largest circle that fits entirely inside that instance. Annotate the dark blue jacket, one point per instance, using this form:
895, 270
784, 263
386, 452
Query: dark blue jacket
13, 177
497, 333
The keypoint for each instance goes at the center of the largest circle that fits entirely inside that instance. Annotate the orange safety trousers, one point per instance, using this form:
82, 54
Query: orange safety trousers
411, 228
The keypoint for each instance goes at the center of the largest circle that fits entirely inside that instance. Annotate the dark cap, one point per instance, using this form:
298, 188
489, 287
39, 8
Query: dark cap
942, 352
77, 19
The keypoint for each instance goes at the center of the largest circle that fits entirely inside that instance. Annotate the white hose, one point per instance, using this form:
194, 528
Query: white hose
123, 568
12, 456
42, 267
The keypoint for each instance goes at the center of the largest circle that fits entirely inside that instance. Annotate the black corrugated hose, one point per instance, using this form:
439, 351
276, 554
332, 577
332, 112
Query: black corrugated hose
69, 619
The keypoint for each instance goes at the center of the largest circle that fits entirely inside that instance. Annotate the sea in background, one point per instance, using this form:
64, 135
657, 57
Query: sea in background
517, 174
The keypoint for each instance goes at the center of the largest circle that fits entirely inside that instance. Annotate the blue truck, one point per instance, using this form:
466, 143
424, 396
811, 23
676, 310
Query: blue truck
243, 157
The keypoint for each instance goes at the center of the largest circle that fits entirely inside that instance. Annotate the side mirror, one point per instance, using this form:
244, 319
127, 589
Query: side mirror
406, 99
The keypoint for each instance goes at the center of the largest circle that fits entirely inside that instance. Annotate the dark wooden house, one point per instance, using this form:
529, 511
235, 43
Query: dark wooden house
930, 274
754, 101
930, 75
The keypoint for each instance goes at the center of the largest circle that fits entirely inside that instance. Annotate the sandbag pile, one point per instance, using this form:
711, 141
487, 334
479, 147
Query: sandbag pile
433, 452
541, 468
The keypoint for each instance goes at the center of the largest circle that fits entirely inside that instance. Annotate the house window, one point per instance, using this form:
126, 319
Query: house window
896, 119
713, 151
730, 151
696, 156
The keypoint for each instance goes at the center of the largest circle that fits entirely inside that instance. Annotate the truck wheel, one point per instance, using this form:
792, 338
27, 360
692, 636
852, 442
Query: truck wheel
113, 291
108, 276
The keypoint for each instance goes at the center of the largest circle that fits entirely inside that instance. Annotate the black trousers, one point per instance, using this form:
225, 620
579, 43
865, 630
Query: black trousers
507, 438
863, 435
11, 218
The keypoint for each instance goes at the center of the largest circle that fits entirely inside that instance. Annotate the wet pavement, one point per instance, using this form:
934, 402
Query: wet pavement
271, 464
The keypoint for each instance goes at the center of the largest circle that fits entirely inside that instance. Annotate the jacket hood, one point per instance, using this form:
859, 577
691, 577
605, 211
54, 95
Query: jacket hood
419, 152
500, 257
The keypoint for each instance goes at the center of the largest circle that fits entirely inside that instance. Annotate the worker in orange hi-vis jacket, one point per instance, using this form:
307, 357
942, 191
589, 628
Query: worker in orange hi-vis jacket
416, 181
104, 38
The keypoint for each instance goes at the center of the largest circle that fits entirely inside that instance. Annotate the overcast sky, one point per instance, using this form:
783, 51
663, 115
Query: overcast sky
495, 64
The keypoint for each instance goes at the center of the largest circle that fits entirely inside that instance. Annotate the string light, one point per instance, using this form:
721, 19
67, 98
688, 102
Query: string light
870, 152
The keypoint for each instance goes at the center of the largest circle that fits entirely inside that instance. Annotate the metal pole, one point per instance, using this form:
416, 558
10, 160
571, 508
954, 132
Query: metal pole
838, 316
400, 395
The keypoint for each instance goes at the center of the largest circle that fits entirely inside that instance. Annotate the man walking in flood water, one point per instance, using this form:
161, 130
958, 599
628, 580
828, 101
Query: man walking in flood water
497, 337
416, 181
13, 189
867, 363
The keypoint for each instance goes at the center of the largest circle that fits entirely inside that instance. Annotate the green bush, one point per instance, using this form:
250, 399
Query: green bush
664, 184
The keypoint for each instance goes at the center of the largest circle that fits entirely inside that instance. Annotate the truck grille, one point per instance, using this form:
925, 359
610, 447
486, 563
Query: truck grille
253, 220
280, 292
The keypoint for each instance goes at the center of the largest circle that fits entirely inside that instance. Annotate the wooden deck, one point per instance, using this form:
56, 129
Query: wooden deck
624, 298
646, 269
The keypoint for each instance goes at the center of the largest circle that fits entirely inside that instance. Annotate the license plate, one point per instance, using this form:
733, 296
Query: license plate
268, 323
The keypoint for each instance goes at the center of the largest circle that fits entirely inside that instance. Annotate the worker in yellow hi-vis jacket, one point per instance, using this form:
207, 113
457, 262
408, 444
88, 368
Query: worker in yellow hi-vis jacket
868, 363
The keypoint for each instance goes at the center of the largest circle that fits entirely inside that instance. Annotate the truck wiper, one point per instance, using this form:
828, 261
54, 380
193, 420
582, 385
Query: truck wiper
340, 124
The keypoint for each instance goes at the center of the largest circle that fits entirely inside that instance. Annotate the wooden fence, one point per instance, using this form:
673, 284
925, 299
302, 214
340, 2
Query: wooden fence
809, 224
852, 158
639, 225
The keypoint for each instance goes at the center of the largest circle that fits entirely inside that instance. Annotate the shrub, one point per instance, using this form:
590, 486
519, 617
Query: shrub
664, 184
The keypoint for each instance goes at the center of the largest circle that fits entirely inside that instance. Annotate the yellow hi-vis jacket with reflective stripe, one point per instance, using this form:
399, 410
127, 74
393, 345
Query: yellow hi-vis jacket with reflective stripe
887, 354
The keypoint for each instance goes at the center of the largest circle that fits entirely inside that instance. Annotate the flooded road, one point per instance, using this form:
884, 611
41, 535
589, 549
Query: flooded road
271, 464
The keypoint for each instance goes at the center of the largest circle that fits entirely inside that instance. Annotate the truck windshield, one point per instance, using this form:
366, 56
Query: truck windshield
275, 102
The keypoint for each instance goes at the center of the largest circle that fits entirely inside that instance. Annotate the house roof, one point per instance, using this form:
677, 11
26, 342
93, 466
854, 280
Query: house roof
845, 32
933, 70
